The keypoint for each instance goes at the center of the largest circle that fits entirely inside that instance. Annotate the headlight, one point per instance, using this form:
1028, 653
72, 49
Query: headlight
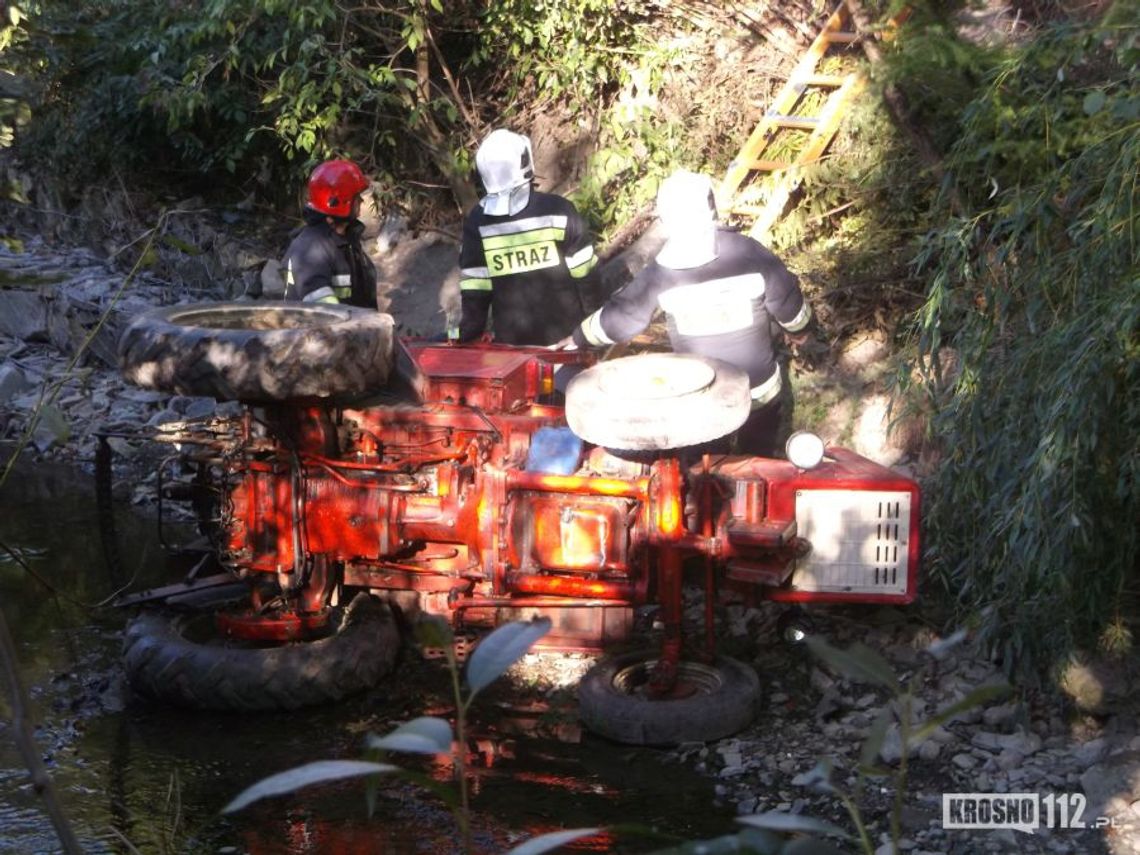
804, 449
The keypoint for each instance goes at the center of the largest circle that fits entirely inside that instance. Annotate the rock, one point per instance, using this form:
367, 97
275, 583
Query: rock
831, 702
23, 315
964, 761
929, 750
12, 382
987, 741
1113, 785
392, 230
271, 282
1010, 759
1026, 743
1090, 752
997, 716
730, 757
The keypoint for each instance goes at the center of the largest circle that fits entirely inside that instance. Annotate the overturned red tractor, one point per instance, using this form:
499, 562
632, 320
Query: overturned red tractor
362, 472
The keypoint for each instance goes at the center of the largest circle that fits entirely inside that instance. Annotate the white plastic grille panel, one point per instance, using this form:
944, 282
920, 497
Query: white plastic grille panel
859, 541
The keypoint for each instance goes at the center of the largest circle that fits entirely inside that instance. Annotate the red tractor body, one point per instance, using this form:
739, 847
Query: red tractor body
458, 489
443, 496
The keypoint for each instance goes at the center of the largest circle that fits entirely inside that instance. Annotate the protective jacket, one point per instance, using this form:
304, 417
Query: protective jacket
533, 271
719, 309
326, 267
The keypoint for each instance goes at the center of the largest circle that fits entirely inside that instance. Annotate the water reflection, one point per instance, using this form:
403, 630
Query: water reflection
157, 777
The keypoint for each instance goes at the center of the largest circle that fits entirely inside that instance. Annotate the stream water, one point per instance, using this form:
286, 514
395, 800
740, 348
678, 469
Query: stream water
138, 777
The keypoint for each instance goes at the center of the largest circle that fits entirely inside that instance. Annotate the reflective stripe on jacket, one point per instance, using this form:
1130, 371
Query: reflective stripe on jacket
720, 309
533, 273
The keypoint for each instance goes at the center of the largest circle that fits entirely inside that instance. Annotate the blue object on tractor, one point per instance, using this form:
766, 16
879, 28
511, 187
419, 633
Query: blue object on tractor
555, 451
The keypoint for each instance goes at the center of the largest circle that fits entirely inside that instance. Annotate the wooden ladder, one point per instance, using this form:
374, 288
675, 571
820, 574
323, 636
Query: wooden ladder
741, 183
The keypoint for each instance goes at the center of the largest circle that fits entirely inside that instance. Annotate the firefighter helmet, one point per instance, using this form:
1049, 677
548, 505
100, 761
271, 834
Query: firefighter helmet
686, 206
506, 166
334, 185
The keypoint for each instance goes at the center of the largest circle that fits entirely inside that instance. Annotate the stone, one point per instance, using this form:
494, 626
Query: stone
1026, 743
929, 750
1010, 759
964, 761
1114, 778
820, 681
986, 740
271, 281
1090, 752
23, 314
731, 758
12, 382
997, 716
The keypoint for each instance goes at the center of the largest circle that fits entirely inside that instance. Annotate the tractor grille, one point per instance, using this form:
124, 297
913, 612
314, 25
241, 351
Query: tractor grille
859, 541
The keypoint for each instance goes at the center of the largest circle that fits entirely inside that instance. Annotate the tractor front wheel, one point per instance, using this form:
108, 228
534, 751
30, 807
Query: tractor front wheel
707, 702
657, 401
180, 658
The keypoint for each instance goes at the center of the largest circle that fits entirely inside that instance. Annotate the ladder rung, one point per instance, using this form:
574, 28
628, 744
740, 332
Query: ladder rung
803, 122
834, 80
769, 165
840, 37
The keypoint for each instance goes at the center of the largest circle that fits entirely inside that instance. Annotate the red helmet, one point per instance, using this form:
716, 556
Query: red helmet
333, 185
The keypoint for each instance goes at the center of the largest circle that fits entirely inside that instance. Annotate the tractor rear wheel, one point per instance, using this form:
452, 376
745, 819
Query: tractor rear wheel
179, 658
259, 354
709, 701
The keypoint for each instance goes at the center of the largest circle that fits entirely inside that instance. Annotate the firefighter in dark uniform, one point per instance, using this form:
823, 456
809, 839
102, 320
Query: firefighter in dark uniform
526, 257
718, 289
325, 261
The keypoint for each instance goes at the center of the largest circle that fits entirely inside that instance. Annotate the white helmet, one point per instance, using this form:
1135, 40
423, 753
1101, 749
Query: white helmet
686, 206
506, 165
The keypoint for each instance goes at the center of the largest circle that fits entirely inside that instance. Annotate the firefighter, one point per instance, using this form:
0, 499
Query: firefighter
325, 261
526, 257
718, 289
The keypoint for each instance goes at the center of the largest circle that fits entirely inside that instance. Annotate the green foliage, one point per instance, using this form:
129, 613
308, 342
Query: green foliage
1036, 287
568, 52
84, 95
938, 71
291, 780
250, 94
623, 174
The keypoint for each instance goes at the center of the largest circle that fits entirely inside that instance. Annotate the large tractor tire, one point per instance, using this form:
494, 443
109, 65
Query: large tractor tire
259, 353
178, 658
657, 401
709, 701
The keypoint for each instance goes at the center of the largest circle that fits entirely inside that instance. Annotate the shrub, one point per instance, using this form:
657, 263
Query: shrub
1034, 505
